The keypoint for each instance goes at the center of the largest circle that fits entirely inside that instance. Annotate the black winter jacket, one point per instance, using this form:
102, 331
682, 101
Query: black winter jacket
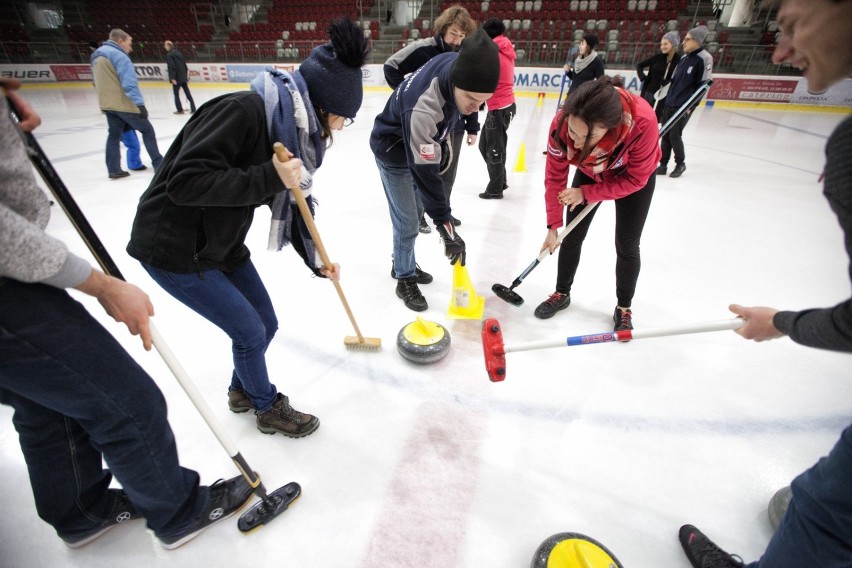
199, 207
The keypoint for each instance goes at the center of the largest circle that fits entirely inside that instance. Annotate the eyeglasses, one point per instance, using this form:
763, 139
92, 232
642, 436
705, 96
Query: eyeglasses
348, 122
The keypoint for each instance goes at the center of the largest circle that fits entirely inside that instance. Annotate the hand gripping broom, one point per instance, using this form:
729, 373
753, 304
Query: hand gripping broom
271, 504
358, 342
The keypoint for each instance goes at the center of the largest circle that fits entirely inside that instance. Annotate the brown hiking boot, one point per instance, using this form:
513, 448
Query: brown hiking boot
239, 401
285, 419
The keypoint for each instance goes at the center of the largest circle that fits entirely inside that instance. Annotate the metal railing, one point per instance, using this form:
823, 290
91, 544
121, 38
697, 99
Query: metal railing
751, 59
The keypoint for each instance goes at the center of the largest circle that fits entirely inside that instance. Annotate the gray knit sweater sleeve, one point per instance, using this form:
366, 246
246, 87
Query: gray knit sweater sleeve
27, 253
830, 328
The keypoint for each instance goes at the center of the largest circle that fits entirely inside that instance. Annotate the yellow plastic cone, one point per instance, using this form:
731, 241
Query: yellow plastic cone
521, 164
465, 303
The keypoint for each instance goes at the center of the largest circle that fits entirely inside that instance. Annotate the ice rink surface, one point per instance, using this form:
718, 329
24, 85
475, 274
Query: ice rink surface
435, 466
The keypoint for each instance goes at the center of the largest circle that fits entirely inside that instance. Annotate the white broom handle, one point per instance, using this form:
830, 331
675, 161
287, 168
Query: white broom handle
192, 391
610, 336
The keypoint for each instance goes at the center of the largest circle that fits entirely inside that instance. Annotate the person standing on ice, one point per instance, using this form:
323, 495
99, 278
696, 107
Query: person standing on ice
814, 513
408, 141
79, 398
192, 221
610, 135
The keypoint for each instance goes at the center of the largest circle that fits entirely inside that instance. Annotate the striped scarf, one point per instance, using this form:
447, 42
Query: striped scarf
291, 120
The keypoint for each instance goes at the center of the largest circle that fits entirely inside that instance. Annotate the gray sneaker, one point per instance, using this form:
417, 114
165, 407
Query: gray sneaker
122, 511
283, 418
225, 499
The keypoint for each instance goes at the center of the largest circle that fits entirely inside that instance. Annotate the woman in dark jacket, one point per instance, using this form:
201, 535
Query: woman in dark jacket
660, 68
588, 66
191, 223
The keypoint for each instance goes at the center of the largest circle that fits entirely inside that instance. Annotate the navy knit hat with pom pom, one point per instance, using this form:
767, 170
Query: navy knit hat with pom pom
333, 71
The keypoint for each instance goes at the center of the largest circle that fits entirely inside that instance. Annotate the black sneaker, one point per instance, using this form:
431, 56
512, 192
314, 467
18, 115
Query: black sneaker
703, 552
282, 418
225, 499
557, 301
119, 175
678, 171
424, 226
661, 171
623, 319
408, 290
419, 276
239, 401
486, 195
139, 169
122, 511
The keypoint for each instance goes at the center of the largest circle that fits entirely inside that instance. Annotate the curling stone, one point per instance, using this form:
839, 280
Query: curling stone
423, 341
573, 550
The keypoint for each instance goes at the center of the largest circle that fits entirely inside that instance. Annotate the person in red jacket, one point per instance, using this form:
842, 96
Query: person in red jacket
610, 135
501, 111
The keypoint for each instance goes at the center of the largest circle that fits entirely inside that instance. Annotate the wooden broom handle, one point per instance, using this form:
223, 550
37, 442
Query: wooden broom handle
281, 153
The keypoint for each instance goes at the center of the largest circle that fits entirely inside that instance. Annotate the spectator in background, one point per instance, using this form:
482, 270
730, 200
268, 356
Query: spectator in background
693, 70
588, 66
178, 76
661, 66
120, 99
451, 27
501, 111
815, 529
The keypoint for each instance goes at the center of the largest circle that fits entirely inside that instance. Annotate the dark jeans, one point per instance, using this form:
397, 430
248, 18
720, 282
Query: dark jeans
237, 303
630, 214
492, 146
79, 398
176, 90
817, 528
116, 122
673, 140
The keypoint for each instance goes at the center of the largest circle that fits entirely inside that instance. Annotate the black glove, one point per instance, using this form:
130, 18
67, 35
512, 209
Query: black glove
453, 243
143, 112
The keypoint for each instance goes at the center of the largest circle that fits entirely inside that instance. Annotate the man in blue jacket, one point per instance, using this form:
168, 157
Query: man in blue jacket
120, 99
409, 142
693, 70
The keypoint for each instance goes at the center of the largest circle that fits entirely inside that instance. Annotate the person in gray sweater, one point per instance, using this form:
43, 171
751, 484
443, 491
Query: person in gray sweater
79, 398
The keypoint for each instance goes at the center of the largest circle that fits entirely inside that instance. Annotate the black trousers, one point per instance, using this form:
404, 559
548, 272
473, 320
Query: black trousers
630, 214
673, 140
492, 146
176, 90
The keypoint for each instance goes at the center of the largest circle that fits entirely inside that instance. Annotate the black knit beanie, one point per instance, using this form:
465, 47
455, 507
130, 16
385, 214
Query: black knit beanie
494, 27
333, 71
477, 68
592, 40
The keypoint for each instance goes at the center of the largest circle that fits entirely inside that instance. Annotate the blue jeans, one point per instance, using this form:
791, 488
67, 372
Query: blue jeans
817, 528
116, 122
237, 303
131, 142
79, 398
406, 209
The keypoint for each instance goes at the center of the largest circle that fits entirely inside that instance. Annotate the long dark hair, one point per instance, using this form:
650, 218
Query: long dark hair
595, 103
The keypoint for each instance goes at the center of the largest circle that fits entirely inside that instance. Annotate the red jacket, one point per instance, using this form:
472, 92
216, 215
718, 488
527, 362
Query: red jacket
505, 93
633, 164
